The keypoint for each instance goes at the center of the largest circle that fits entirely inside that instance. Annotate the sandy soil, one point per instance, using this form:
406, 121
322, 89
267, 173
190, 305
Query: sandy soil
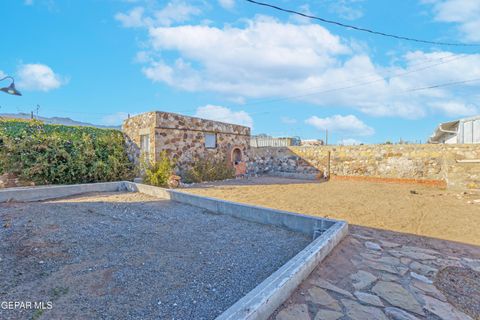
414, 209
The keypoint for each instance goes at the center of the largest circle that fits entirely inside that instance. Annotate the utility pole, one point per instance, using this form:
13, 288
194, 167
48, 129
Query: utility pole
38, 108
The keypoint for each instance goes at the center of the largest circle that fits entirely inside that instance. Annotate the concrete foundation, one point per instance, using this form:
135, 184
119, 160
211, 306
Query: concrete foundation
262, 301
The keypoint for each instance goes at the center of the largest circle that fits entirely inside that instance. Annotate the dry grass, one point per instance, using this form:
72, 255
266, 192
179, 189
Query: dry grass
414, 209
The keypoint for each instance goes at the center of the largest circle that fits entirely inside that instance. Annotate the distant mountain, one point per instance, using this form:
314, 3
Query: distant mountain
57, 120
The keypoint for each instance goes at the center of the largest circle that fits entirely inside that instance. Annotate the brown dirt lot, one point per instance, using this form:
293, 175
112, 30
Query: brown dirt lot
415, 209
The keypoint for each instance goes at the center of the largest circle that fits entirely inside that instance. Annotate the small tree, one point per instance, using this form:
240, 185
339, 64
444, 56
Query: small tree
158, 173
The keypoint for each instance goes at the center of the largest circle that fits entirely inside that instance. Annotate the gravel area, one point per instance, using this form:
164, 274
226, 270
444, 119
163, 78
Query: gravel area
131, 256
461, 286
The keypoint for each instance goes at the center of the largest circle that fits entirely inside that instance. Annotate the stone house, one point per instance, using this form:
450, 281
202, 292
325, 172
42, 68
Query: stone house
185, 138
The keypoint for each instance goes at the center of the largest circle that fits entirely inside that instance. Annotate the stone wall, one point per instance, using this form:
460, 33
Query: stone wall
279, 161
182, 137
409, 162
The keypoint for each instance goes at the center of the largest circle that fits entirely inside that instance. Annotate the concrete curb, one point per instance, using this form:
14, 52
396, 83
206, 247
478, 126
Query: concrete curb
289, 220
28, 194
264, 299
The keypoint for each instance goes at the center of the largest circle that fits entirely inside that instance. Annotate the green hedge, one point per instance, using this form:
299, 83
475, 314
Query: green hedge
57, 154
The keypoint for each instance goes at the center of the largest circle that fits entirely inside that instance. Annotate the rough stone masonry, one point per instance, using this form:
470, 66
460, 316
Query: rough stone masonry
183, 137
457, 166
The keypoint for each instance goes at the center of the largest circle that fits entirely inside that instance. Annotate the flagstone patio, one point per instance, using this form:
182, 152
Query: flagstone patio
376, 274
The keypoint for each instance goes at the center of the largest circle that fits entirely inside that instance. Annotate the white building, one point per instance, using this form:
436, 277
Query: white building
459, 131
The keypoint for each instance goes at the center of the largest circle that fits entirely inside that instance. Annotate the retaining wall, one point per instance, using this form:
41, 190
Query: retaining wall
454, 166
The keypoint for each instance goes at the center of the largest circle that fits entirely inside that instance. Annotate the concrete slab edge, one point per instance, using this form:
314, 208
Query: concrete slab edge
264, 299
29, 194
292, 221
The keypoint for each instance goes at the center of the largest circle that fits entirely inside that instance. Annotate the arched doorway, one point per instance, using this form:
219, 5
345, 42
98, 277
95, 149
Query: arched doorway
237, 156
238, 162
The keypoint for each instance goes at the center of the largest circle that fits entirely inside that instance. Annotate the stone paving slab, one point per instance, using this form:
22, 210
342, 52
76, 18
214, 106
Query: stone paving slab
375, 274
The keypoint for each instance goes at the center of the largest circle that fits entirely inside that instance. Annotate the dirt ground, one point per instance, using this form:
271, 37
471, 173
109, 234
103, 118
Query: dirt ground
405, 208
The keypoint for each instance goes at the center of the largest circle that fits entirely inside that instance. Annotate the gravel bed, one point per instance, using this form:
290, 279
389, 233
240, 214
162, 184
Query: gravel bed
131, 256
461, 286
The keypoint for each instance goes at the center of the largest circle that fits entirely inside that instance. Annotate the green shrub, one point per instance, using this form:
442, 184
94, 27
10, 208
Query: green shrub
158, 173
209, 169
56, 154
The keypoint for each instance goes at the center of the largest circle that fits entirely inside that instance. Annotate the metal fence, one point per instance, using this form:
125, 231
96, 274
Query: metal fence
257, 142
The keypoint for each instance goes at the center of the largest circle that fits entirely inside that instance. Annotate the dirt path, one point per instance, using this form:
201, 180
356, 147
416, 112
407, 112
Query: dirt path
414, 209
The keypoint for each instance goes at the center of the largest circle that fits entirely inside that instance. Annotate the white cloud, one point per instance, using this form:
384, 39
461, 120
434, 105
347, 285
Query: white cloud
38, 77
114, 119
174, 12
132, 19
227, 4
288, 120
349, 124
456, 108
347, 9
28, 2
272, 59
255, 61
266, 58
349, 142
465, 13
224, 114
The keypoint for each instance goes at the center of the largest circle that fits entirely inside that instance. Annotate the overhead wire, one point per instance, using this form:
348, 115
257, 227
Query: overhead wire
348, 26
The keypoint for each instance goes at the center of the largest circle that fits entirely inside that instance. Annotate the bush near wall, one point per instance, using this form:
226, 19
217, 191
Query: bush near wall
208, 169
57, 154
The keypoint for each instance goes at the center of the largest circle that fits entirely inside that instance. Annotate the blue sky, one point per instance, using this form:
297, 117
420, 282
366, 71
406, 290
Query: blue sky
98, 60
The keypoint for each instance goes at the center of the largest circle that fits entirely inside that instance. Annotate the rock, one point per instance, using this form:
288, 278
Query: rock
321, 297
373, 246
405, 261
361, 236
368, 298
328, 315
473, 264
381, 266
442, 263
398, 296
354, 241
385, 276
399, 314
423, 250
362, 279
387, 260
420, 277
423, 269
412, 254
358, 312
429, 289
294, 312
444, 310
388, 244
328, 286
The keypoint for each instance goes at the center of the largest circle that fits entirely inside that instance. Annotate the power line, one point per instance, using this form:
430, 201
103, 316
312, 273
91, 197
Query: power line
372, 74
398, 75
379, 33
442, 85
448, 84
